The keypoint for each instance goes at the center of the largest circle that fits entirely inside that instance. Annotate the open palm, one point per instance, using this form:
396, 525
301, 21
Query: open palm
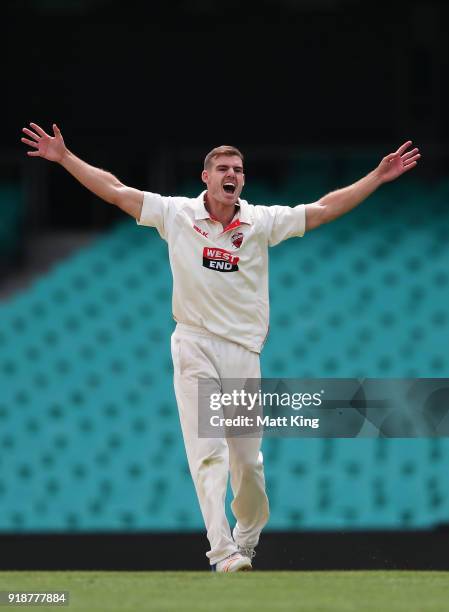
48, 147
395, 164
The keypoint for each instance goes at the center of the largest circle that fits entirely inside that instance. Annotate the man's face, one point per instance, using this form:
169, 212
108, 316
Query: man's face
225, 179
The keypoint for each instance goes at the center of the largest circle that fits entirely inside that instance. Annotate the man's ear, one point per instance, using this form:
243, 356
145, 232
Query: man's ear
243, 180
204, 176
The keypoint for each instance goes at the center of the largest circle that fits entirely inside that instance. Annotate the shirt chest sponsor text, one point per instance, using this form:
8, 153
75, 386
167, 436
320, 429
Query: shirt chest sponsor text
220, 260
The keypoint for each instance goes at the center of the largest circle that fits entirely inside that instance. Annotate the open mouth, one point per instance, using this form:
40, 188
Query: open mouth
229, 188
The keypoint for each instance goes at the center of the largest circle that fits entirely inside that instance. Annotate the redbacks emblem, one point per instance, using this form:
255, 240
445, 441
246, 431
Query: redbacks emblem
237, 239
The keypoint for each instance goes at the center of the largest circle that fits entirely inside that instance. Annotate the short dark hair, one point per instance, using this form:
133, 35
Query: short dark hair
223, 150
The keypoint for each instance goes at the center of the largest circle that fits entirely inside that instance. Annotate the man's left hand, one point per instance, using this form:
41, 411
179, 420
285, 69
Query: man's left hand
397, 163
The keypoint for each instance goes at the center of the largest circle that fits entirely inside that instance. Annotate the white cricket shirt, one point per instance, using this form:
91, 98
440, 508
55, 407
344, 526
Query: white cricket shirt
220, 276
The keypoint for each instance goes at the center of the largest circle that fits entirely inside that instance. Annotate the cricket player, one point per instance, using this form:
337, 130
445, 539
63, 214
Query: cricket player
218, 251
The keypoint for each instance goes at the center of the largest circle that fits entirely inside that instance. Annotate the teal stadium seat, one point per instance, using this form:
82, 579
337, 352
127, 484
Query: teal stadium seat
89, 433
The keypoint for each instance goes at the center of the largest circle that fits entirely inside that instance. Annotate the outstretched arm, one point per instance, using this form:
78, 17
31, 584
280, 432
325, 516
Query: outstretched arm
103, 184
337, 203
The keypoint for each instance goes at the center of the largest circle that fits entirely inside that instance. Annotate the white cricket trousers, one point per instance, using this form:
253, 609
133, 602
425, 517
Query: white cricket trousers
197, 354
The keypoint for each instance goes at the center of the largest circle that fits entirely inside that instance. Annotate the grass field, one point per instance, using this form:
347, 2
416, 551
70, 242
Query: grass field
262, 591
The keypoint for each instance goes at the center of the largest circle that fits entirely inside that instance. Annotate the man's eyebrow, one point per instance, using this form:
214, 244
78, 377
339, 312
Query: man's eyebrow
226, 166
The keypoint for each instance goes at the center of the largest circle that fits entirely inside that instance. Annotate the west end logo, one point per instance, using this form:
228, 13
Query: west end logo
220, 260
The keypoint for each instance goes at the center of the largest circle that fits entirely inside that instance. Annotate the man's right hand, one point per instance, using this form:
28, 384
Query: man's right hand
48, 147
103, 184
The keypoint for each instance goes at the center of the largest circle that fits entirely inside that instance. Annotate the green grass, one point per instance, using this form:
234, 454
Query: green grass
392, 591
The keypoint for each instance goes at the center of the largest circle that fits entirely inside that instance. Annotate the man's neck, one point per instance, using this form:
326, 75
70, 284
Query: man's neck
219, 212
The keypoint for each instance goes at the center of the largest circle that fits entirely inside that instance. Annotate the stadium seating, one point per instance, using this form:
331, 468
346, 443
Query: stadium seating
11, 220
89, 434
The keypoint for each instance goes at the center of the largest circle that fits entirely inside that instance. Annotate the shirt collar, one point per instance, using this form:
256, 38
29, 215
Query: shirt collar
244, 212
